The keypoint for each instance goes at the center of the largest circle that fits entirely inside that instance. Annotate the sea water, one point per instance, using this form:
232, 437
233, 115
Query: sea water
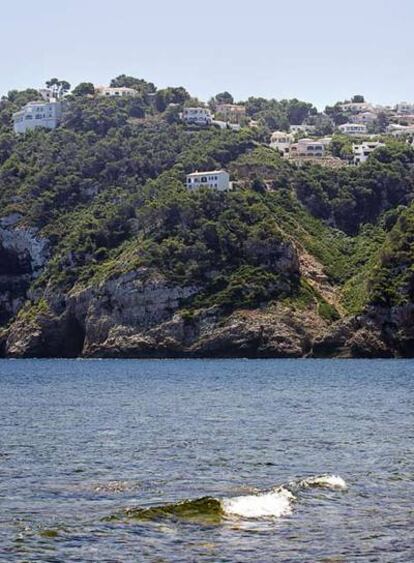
215, 461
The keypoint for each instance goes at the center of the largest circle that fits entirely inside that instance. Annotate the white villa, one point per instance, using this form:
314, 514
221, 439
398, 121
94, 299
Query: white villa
398, 130
215, 179
108, 91
353, 129
302, 128
364, 117
199, 116
404, 107
47, 94
37, 114
308, 147
281, 141
362, 151
356, 107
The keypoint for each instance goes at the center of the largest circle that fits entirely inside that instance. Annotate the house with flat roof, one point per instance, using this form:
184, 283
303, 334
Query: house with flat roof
366, 117
404, 108
37, 114
47, 94
197, 116
308, 147
356, 107
281, 141
362, 151
108, 91
398, 130
215, 179
353, 129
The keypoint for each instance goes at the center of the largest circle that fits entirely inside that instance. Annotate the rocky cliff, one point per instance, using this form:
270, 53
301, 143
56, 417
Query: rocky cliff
104, 252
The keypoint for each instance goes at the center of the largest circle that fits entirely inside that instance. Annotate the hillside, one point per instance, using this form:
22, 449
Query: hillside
104, 252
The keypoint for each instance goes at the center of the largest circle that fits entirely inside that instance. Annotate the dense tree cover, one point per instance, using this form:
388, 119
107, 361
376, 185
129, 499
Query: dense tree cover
224, 98
58, 87
124, 81
84, 89
350, 197
279, 114
107, 189
358, 99
392, 279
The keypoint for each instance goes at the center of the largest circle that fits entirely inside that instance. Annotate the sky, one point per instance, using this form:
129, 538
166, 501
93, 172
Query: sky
319, 51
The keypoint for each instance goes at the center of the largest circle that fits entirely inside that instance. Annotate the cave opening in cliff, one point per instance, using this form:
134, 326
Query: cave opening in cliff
75, 338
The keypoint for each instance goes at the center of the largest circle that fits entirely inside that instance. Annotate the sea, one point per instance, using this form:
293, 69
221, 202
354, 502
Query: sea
207, 461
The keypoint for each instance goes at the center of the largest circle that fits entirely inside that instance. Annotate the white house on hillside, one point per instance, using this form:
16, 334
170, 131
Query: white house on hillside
108, 91
399, 130
47, 94
353, 129
37, 114
199, 116
362, 151
366, 117
308, 147
404, 107
281, 141
356, 107
304, 128
215, 179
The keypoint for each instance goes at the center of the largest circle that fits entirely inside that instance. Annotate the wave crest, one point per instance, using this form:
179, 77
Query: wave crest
333, 482
274, 503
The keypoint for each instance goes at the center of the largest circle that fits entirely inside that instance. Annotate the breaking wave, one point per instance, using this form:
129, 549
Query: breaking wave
273, 504
333, 482
270, 504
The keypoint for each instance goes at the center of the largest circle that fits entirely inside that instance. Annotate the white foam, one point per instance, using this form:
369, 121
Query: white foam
272, 504
326, 481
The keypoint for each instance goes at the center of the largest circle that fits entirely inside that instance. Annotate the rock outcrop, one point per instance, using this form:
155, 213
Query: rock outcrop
23, 255
378, 333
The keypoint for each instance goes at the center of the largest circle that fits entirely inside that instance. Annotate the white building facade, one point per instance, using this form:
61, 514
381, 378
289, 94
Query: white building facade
404, 108
356, 107
400, 130
37, 114
362, 151
198, 116
366, 117
47, 94
281, 141
216, 179
353, 129
107, 91
309, 147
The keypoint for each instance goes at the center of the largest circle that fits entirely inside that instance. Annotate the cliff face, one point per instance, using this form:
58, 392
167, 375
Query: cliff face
140, 314
22, 256
104, 252
378, 333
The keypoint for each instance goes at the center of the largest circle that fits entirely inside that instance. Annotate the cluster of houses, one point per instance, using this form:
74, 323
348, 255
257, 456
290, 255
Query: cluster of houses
307, 148
299, 144
48, 112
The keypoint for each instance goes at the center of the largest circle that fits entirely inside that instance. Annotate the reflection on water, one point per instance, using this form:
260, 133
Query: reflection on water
232, 460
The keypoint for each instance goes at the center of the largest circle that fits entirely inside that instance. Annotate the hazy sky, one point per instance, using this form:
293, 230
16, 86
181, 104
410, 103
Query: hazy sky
319, 50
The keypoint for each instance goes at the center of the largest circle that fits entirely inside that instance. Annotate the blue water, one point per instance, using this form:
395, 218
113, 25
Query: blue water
85, 445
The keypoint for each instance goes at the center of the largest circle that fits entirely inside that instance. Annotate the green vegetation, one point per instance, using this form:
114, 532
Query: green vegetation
107, 190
